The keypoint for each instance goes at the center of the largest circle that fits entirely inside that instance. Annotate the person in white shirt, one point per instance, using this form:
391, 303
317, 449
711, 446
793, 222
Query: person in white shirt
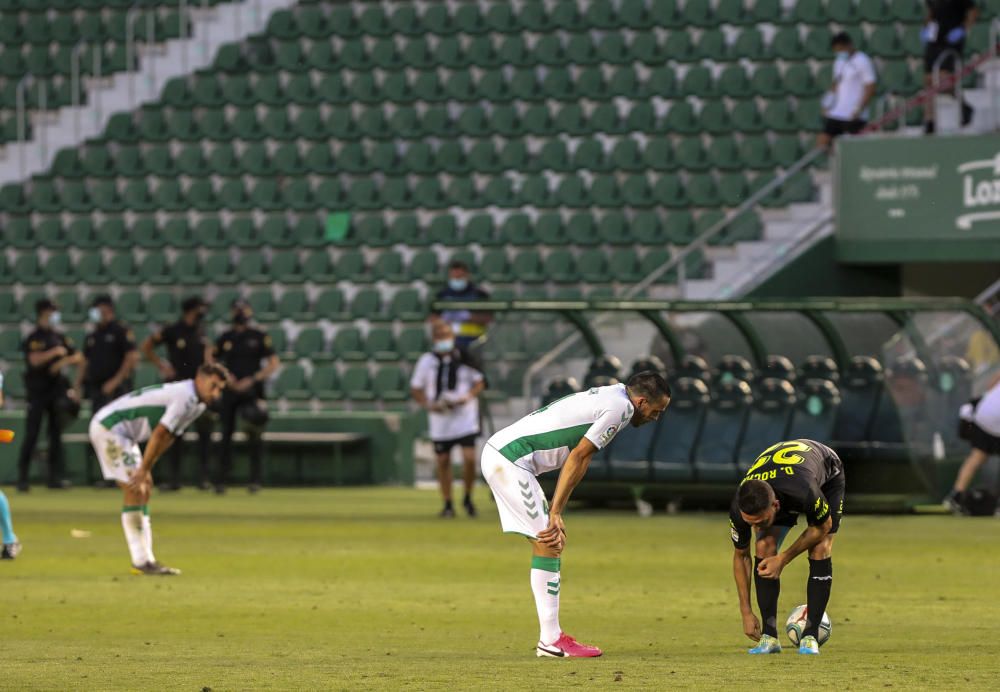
447, 384
563, 435
845, 105
982, 422
160, 414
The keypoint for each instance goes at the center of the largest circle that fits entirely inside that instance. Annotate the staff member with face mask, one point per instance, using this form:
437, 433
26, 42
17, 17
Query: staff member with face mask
246, 352
186, 351
845, 105
467, 325
447, 384
46, 353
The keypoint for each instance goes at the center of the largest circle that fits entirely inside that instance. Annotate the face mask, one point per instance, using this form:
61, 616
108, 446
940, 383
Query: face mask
457, 284
55, 319
198, 317
94, 314
842, 55
240, 318
444, 346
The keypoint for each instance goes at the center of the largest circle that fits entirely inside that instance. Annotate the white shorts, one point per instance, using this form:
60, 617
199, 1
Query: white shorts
118, 455
520, 500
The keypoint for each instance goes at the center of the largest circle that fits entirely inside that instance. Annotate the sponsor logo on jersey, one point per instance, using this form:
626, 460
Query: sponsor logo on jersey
608, 434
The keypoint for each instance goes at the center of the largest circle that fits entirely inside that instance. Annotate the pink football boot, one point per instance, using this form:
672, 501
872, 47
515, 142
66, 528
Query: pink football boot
566, 646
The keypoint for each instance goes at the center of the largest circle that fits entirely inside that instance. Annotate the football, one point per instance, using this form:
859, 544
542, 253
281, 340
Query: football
797, 622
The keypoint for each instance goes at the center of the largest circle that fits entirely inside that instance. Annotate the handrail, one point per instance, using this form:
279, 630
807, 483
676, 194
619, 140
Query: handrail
927, 93
183, 22
780, 254
677, 260
130, 51
74, 86
22, 116
958, 91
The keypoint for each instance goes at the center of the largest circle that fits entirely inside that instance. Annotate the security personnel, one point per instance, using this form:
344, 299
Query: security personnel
110, 355
46, 353
187, 348
246, 351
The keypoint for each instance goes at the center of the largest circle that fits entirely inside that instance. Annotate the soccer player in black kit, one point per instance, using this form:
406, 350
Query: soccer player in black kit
788, 479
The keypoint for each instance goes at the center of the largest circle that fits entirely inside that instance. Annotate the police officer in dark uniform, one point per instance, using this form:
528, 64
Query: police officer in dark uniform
46, 352
110, 355
246, 351
187, 349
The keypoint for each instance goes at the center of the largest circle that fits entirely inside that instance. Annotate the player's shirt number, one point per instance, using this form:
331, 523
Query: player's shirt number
781, 453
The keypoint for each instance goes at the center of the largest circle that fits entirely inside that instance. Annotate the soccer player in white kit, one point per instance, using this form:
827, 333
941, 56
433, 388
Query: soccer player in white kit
159, 414
565, 434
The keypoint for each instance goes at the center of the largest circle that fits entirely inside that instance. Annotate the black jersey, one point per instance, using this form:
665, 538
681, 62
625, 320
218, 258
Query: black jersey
242, 351
105, 349
38, 381
797, 471
185, 347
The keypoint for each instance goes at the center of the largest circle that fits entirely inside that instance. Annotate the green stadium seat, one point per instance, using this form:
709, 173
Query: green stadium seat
424, 266
810, 12
291, 383
330, 305
285, 267
294, 305
845, 11
58, 269
161, 307
407, 306
90, 269
262, 302
219, 269
749, 43
724, 153
357, 384
324, 383
122, 267
380, 344
252, 268
527, 266
310, 344
348, 345
366, 305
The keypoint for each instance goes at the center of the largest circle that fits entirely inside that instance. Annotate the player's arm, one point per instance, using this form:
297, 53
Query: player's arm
159, 442
742, 570
770, 568
572, 473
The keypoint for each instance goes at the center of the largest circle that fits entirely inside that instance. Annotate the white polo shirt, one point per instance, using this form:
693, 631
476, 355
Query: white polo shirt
431, 375
987, 415
850, 77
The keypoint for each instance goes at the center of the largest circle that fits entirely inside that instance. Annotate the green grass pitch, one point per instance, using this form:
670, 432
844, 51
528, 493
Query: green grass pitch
366, 589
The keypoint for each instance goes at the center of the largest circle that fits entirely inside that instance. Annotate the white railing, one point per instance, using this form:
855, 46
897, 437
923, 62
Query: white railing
676, 262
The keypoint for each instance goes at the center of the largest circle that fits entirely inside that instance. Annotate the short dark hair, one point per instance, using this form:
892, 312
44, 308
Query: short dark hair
458, 264
754, 497
102, 299
649, 384
215, 370
43, 305
841, 39
193, 303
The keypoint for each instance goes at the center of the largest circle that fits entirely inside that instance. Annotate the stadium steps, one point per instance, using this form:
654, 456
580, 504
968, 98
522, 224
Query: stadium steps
738, 268
225, 23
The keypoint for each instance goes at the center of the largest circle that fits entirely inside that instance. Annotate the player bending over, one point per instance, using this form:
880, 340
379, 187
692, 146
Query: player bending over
565, 434
787, 479
158, 414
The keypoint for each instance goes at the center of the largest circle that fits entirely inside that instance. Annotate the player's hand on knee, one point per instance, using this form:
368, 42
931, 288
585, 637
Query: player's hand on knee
751, 626
554, 536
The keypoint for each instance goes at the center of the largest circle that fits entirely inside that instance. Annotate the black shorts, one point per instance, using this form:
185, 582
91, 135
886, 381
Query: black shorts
982, 440
444, 446
835, 128
933, 50
833, 489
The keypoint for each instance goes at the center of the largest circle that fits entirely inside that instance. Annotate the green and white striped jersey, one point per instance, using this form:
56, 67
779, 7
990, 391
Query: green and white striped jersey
133, 416
542, 441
